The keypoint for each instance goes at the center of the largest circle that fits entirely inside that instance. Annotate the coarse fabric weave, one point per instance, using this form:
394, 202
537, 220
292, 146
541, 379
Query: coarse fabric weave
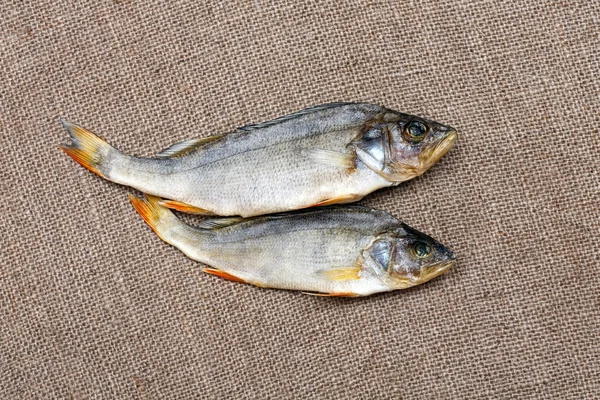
94, 305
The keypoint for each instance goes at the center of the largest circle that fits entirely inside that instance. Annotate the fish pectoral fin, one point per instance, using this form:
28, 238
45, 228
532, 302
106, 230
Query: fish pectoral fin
342, 274
223, 274
333, 158
186, 208
349, 198
340, 294
182, 148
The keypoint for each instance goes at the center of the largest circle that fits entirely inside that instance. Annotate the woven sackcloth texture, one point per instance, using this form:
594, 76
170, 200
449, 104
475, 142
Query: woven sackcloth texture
94, 305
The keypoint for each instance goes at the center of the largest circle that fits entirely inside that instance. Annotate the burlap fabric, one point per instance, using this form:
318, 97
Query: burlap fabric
94, 305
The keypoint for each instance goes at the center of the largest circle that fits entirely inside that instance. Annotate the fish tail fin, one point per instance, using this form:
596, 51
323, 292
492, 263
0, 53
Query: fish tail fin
87, 148
169, 228
159, 218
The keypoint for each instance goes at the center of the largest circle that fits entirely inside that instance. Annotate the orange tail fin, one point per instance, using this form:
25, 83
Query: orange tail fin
87, 148
167, 226
152, 212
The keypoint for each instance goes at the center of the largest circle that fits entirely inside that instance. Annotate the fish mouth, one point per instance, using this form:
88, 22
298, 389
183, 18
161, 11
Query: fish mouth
435, 270
434, 152
426, 275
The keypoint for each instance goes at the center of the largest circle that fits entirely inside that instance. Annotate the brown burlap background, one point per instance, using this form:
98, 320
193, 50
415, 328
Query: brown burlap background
94, 305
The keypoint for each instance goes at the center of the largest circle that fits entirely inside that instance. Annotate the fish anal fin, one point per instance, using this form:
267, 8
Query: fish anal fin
182, 148
342, 274
349, 198
223, 274
332, 158
186, 208
339, 294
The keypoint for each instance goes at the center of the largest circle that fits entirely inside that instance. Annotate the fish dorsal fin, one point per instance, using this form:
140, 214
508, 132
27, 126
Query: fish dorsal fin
296, 114
216, 223
182, 148
316, 210
220, 222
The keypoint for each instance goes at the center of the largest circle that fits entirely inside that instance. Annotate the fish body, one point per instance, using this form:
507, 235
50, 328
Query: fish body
335, 251
334, 153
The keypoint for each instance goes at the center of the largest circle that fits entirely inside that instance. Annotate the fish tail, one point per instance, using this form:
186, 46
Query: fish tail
191, 241
167, 226
159, 218
87, 148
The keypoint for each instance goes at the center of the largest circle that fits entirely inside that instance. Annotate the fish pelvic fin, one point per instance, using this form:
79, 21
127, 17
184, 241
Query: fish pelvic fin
348, 198
87, 148
223, 274
337, 294
156, 216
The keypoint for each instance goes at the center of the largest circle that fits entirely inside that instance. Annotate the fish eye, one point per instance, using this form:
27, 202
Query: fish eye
415, 131
421, 249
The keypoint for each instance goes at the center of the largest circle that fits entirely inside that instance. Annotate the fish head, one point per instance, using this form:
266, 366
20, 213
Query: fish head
406, 257
400, 147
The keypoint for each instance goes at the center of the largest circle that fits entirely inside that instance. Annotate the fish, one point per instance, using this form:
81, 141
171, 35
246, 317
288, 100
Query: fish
341, 251
334, 153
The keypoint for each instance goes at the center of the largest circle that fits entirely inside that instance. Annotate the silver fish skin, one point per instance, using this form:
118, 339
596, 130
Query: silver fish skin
333, 153
331, 251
